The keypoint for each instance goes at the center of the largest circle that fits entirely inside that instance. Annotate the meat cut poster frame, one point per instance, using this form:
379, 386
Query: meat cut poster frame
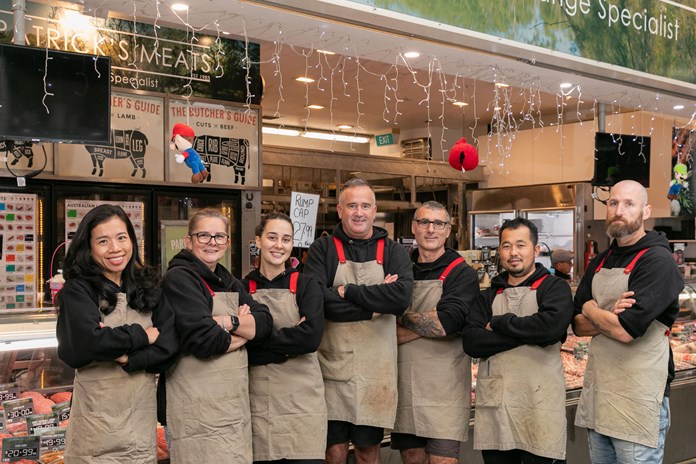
136, 150
227, 139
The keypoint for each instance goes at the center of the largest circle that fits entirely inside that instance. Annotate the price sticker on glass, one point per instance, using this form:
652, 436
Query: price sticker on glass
9, 391
38, 422
16, 411
52, 440
63, 410
18, 448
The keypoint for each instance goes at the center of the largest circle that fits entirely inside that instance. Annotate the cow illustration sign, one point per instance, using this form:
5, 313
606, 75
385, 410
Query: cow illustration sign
136, 148
226, 138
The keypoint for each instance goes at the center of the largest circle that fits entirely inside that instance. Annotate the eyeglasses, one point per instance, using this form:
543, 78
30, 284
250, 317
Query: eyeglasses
205, 238
425, 223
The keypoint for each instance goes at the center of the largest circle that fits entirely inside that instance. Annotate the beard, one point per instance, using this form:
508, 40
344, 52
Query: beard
620, 228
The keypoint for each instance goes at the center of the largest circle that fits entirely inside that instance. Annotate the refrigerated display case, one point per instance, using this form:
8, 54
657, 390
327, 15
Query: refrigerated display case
485, 227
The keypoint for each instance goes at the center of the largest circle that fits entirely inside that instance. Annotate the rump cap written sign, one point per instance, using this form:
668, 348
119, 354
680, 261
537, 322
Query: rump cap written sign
303, 212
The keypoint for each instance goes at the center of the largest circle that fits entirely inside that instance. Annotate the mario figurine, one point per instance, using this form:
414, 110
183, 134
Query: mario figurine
182, 141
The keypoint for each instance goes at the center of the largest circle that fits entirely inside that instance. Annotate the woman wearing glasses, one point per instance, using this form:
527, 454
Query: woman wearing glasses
207, 396
285, 383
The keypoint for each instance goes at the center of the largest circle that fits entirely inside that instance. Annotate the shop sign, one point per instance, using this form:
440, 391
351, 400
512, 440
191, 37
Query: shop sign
303, 212
655, 37
385, 139
169, 60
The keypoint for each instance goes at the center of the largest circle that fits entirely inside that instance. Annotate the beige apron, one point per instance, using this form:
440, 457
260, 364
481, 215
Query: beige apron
434, 378
624, 383
358, 359
520, 393
208, 403
113, 418
288, 411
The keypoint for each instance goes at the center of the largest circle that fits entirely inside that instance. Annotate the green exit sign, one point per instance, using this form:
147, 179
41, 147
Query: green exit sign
386, 139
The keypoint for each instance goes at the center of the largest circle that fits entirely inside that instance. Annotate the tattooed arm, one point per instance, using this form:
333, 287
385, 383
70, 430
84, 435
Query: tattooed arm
606, 322
424, 324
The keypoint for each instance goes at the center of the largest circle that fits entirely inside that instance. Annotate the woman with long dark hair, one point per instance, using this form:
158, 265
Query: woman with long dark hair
207, 390
288, 409
112, 330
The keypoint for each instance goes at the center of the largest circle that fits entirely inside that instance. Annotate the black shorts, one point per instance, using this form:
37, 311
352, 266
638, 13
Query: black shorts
360, 435
433, 446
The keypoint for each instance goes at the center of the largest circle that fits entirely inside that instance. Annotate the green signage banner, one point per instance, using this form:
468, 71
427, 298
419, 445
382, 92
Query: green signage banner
652, 36
169, 60
384, 139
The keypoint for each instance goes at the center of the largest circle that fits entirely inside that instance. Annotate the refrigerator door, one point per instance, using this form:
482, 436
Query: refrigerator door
485, 227
556, 231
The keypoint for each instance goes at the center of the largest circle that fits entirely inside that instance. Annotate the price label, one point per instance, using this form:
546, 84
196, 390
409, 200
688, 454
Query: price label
37, 422
52, 440
63, 410
16, 411
9, 391
18, 448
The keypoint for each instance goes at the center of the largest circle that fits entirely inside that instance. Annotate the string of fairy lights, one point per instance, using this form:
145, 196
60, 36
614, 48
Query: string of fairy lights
514, 103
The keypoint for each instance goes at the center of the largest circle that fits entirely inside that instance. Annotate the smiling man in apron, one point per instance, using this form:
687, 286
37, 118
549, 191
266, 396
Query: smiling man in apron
367, 280
628, 300
432, 418
516, 328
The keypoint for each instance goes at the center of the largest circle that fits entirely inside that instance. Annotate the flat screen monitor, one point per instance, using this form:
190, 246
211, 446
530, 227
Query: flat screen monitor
73, 106
620, 157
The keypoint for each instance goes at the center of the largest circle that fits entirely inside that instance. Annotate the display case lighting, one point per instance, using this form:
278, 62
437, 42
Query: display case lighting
280, 131
14, 345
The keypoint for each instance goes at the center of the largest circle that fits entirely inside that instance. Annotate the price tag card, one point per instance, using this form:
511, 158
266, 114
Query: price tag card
9, 391
18, 448
52, 440
16, 411
63, 410
37, 422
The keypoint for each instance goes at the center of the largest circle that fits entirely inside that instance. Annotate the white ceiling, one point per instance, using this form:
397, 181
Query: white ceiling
375, 89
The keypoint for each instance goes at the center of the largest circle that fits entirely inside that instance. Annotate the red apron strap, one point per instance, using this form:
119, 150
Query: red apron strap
451, 266
293, 282
212, 293
252, 287
500, 290
538, 282
339, 250
601, 263
631, 265
380, 251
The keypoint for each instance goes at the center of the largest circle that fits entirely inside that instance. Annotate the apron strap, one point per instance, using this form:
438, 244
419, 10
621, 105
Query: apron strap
212, 293
631, 265
252, 287
534, 285
601, 263
380, 251
451, 266
339, 250
342, 255
293, 282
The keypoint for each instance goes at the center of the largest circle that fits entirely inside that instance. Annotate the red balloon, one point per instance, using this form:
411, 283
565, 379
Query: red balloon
463, 156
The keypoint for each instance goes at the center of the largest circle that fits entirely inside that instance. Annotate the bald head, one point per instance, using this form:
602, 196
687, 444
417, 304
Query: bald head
630, 189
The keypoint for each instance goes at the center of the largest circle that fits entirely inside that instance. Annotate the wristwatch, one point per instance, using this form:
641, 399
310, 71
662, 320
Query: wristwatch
235, 324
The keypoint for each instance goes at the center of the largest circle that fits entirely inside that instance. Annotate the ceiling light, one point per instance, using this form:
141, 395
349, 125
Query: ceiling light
315, 107
411, 55
458, 103
280, 131
335, 137
225, 32
678, 107
501, 84
344, 126
304, 79
566, 85
326, 52
497, 108
180, 7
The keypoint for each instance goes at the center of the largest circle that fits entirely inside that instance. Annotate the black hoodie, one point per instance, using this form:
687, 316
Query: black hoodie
459, 290
655, 281
185, 291
547, 326
361, 300
293, 340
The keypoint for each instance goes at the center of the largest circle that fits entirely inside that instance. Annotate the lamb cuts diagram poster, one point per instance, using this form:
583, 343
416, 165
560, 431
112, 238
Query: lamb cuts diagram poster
226, 138
136, 148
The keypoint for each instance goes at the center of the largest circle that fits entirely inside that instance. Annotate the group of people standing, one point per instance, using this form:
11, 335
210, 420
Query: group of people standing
297, 366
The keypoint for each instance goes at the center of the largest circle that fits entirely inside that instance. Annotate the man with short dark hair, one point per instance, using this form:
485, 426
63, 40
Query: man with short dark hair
628, 300
517, 328
367, 281
432, 418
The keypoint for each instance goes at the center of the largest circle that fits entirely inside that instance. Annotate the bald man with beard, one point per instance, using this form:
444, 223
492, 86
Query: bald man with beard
627, 301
